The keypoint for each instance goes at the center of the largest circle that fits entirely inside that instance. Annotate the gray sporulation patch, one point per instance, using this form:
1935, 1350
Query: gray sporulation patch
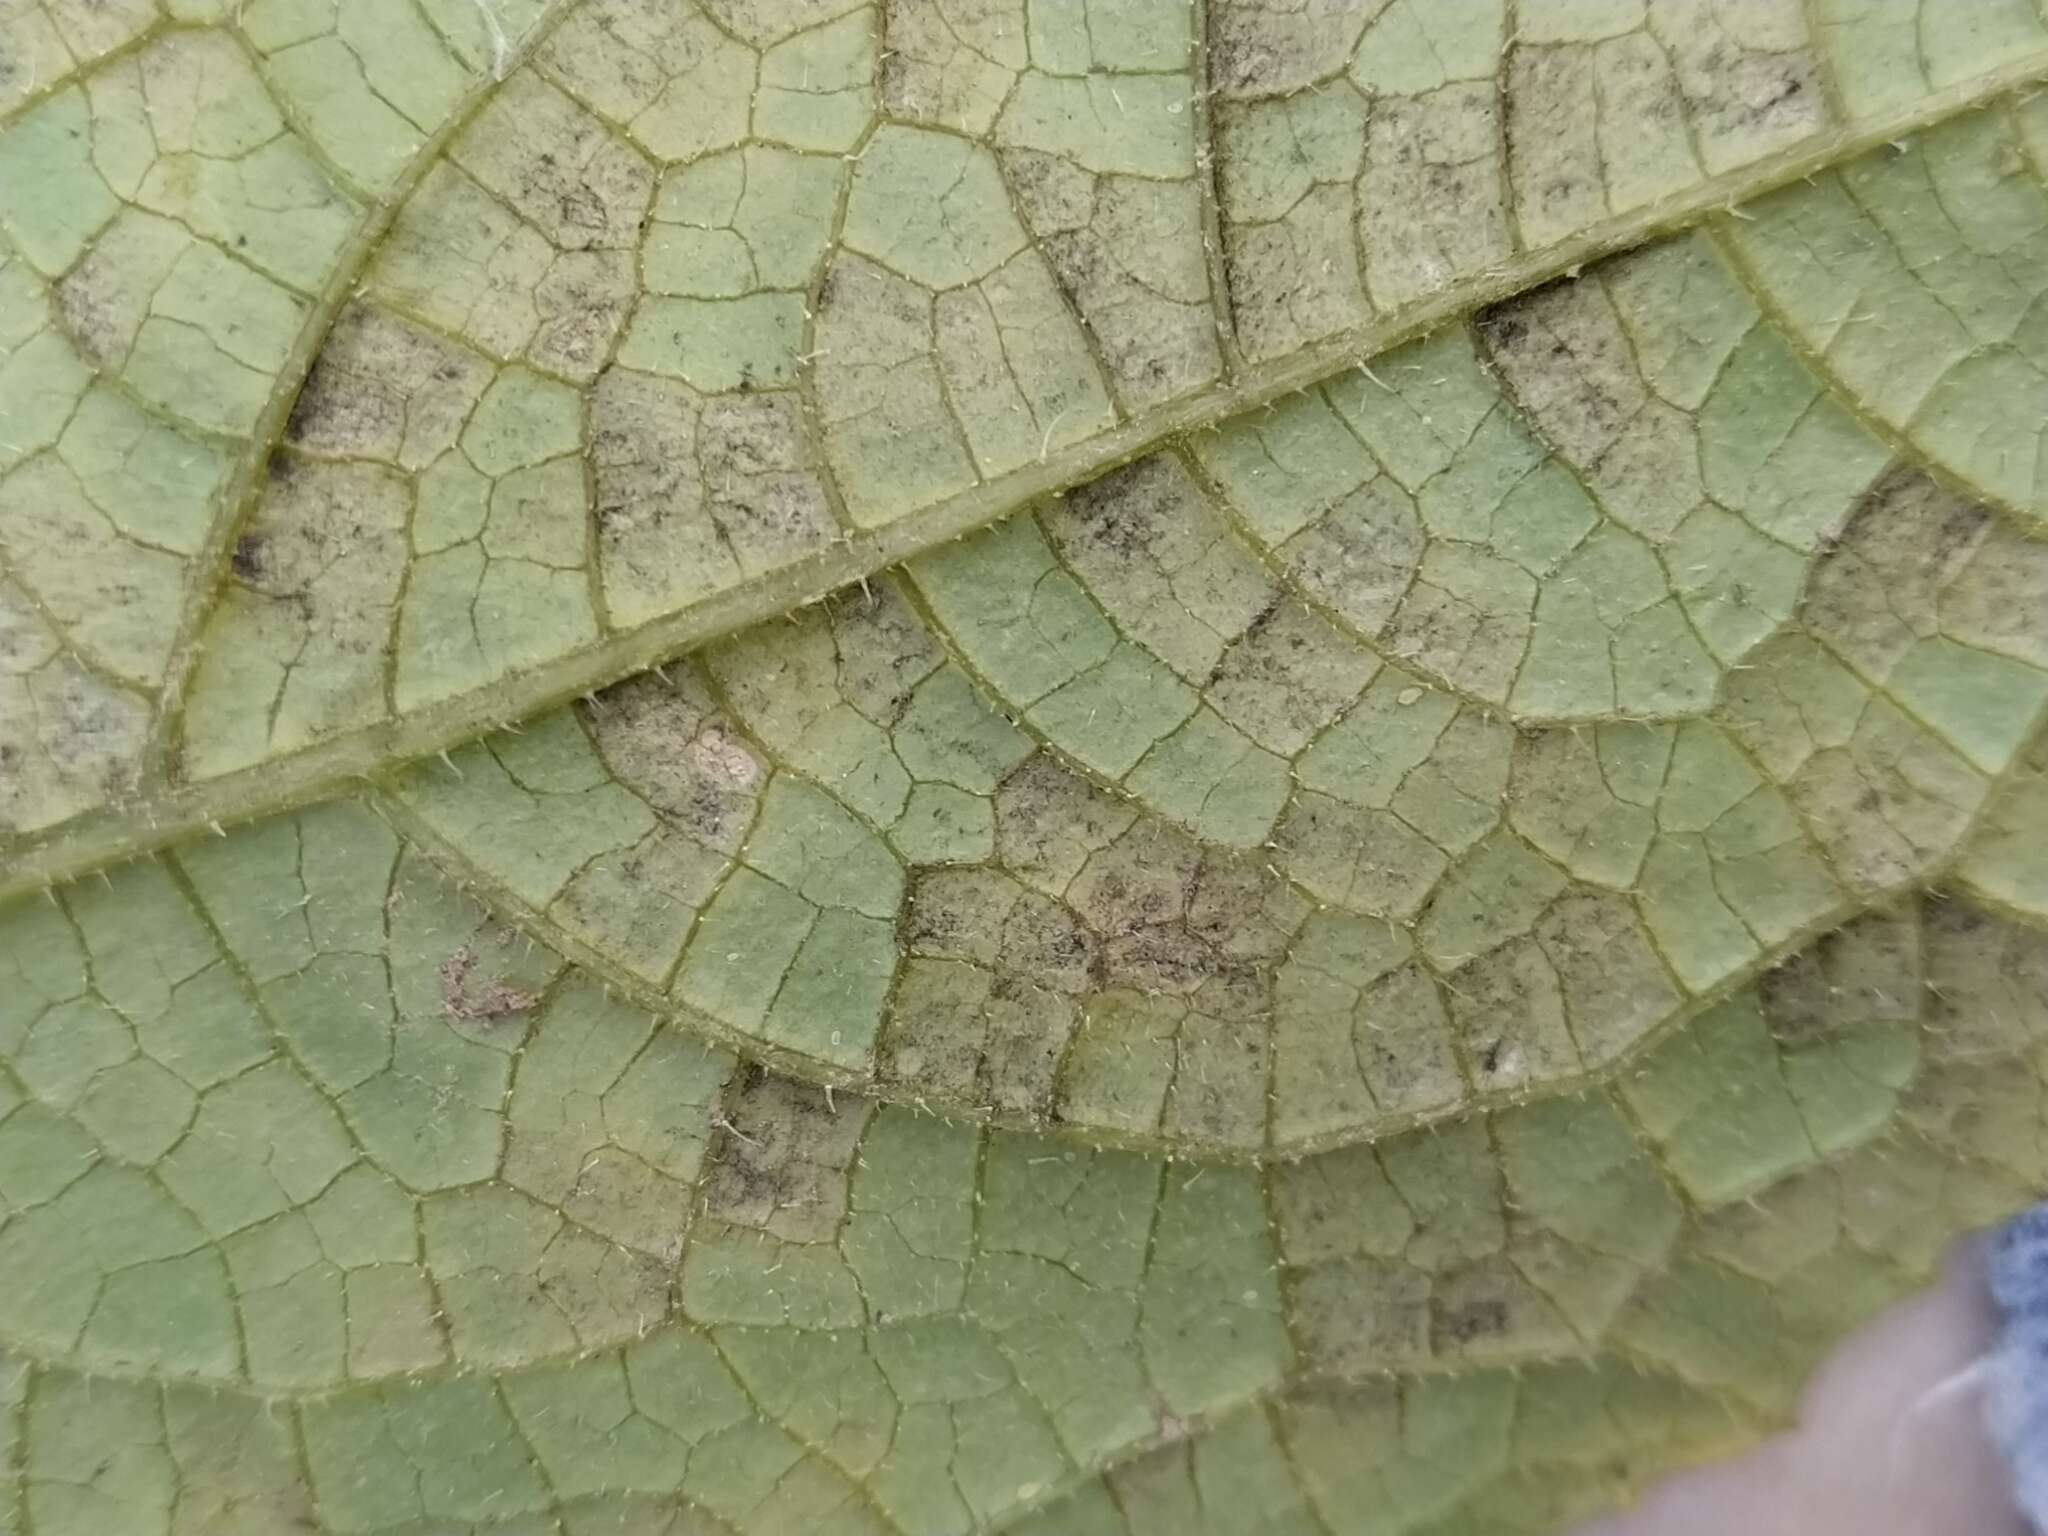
780, 1158
1360, 556
1563, 352
382, 388
1048, 821
696, 493
984, 917
1288, 676
474, 1003
668, 740
990, 1038
1121, 248
882, 648
1865, 970
1430, 205
1877, 589
562, 169
1271, 50
104, 299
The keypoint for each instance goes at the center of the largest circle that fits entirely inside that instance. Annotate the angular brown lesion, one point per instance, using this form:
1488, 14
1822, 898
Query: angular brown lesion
781, 1157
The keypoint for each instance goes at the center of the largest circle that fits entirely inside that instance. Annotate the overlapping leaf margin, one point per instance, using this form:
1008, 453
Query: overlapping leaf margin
1685, 1391
163, 811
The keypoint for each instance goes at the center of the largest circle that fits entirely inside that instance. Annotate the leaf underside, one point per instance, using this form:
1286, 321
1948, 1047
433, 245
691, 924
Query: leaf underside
1051, 765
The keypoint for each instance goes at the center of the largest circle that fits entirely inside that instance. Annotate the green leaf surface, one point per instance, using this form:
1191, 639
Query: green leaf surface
1059, 765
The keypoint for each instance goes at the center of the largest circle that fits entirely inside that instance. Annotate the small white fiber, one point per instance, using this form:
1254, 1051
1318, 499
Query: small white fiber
2016, 1402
